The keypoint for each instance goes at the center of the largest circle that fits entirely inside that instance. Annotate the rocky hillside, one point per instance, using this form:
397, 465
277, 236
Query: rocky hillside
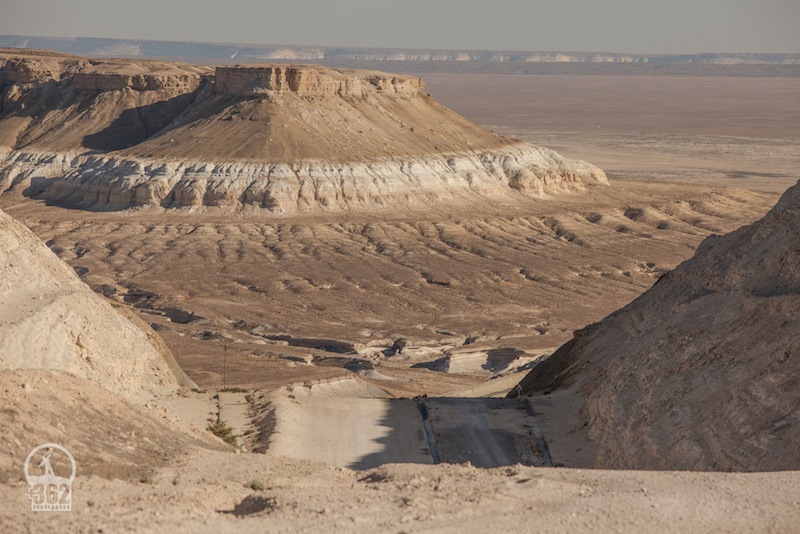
49, 319
703, 370
113, 134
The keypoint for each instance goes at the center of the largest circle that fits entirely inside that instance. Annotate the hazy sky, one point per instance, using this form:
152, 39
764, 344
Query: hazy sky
645, 26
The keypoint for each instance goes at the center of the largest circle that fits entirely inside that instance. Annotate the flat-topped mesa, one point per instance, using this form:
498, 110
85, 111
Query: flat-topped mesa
307, 80
115, 134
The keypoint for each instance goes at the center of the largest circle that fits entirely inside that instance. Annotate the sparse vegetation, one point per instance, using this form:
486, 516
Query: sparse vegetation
255, 485
147, 476
234, 390
223, 432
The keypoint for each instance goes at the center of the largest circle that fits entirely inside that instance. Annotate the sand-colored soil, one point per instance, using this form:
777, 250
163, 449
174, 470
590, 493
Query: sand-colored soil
360, 433
107, 435
212, 492
352, 424
505, 280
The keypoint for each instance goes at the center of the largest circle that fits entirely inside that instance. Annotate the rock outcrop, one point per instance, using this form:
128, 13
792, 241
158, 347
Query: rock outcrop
33, 66
280, 138
50, 319
310, 81
703, 370
113, 183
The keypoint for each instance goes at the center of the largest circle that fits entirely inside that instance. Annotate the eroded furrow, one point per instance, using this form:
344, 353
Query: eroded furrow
520, 282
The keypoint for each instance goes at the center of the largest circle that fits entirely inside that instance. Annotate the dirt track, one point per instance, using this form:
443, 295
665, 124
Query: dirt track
363, 433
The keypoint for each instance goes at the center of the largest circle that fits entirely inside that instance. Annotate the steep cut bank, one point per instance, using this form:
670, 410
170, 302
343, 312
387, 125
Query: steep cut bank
703, 370
116, 134
51, 320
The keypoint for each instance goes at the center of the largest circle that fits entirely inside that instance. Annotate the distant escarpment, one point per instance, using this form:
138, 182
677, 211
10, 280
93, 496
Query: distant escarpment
118, 134
141, 49
703, 370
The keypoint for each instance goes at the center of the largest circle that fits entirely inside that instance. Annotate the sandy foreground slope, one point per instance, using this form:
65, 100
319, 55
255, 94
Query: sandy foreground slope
211, 492
141, 469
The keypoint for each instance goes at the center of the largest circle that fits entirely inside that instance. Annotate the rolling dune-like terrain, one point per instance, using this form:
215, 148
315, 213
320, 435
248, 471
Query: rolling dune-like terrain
412, 287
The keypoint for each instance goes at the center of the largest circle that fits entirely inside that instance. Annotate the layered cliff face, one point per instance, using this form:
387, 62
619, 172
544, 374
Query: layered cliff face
110, 135
311, 81
115, 183
703, 370
51, 320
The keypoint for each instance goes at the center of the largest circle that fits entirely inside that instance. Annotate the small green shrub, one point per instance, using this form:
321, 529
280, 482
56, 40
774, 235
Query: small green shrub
255, 485
223, 432
234, 390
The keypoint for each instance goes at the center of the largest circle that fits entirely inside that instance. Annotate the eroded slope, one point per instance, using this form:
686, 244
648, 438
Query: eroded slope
702, 371
489, 287
49, 319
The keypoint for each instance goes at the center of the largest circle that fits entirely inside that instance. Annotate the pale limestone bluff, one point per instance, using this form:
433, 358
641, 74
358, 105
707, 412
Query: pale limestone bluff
274, 138
49, 319
703, 370
310, 81
105, 182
